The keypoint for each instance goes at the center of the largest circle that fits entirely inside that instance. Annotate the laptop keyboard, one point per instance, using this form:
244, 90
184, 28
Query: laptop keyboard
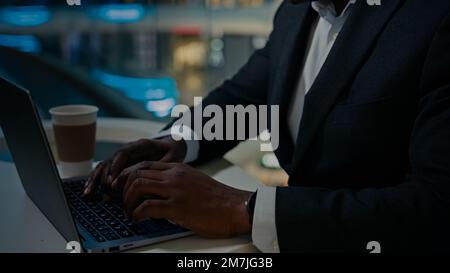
106, 221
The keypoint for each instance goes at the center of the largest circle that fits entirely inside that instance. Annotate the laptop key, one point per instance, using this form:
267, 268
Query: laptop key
81, 209
111, 237
123, 219
99, 239
90, 229
116, 212
98, 224
112, 223
96, 208
117, 227
103, 228
93, 219
108, 219
89, 214
99, 212
108, 206
125, 233
107, 232
103, 215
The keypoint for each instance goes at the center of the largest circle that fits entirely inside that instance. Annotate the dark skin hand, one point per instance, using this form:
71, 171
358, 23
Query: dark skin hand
154, 188
186, 196
105, 174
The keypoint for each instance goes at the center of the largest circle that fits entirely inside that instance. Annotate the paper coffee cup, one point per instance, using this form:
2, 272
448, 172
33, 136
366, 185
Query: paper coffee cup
74, 127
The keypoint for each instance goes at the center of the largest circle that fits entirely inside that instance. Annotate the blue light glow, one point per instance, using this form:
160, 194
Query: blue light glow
117, 13
161, 108
25, 16
158, 94
24, 43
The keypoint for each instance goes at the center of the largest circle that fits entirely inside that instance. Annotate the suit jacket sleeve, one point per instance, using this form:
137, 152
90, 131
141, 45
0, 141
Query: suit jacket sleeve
412, 216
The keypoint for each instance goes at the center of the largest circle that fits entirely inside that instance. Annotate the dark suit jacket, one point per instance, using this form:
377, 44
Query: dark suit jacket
372, 158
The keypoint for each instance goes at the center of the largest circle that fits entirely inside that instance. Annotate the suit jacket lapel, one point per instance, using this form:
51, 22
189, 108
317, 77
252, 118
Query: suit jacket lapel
288, 70
292, 56
349, 52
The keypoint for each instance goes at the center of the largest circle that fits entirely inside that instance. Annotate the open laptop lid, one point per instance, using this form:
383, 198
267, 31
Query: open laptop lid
34, 161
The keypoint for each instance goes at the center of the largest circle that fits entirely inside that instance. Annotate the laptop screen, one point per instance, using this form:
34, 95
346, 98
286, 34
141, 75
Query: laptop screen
31, 153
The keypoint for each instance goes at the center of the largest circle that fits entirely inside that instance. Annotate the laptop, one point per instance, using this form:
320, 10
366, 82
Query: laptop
98, 226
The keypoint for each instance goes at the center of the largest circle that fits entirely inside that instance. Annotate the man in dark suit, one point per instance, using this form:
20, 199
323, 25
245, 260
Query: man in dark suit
364, 95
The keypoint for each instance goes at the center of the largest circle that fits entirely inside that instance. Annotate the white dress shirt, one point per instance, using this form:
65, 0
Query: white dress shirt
323, 35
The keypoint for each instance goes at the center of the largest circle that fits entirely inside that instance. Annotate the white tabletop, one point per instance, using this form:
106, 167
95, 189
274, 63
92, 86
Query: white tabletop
25, 229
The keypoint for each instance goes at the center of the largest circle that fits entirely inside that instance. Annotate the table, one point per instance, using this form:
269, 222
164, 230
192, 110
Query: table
25, 229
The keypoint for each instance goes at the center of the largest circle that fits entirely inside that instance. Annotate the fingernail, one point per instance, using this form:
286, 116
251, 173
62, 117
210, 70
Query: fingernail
114, 183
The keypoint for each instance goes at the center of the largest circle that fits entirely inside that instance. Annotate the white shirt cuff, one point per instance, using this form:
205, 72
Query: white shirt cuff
264, 230
192, 146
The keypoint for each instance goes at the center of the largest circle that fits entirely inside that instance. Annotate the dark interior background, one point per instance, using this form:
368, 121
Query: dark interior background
132, 58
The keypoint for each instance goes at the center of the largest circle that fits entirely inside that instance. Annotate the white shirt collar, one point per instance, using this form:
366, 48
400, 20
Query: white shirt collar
327, 10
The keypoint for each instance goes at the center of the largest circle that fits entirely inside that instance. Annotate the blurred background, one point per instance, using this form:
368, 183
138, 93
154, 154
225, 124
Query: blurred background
134, 58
